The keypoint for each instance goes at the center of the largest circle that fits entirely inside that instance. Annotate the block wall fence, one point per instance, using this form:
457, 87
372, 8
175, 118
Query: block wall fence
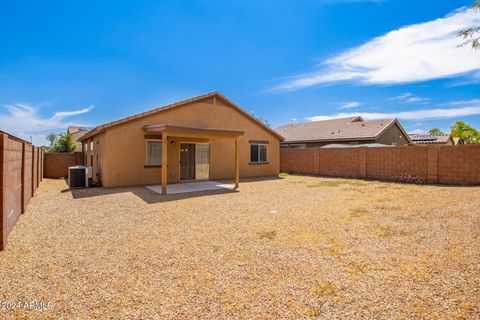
21, 171
56, 164
456, 165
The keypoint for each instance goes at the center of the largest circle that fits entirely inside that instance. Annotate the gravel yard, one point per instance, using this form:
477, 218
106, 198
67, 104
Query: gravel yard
297, 247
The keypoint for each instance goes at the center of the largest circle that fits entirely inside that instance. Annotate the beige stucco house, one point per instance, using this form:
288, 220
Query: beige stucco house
203, 138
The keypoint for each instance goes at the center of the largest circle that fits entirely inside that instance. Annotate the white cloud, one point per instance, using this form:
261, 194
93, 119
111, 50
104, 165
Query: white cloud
349, 105
464, 102
294, 119
409, 98
24, 121
63, 114
413, 53
429, 114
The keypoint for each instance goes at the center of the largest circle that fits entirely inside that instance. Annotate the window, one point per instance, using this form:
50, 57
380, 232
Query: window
154, 152
258, 153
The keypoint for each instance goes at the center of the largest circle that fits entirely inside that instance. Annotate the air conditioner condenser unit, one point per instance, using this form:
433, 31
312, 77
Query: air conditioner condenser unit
78, 176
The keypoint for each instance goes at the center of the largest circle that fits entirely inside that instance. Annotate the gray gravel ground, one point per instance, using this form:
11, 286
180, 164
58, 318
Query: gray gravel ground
298, 247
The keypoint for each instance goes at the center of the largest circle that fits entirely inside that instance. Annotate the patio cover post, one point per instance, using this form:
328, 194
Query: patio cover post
164, 162
237, 164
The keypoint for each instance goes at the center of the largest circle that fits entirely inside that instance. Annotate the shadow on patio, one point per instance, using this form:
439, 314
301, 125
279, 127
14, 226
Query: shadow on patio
151, 197
143, 193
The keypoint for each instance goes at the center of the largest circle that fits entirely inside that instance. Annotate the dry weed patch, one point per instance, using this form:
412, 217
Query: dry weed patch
270, 235
358, 212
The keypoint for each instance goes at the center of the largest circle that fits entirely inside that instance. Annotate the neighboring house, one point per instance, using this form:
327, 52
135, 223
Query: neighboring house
445, 139
77, 132
203, 138
351, 131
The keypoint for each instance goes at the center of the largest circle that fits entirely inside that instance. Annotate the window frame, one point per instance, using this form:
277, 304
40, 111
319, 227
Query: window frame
258, 153
151, 165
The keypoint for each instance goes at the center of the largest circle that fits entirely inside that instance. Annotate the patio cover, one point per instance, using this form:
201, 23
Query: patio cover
178, 131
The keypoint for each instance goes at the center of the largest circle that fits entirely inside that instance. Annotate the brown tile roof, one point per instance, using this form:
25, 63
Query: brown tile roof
351, 128
104, 126
430, 138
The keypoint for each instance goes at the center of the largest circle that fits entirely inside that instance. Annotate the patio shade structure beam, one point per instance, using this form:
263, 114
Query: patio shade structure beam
179, 131
189, 132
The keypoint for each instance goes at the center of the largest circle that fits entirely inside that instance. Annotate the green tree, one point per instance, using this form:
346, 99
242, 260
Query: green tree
465, 132
63, 142
435, 131
471, 35
52, 137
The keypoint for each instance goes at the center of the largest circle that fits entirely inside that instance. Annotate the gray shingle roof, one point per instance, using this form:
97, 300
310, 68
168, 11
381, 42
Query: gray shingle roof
352, 128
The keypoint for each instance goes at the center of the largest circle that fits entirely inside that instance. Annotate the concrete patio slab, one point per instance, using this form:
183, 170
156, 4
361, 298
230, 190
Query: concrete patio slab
195, 186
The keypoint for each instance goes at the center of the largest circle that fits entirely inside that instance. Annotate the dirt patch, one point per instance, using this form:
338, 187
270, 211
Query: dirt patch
275, 249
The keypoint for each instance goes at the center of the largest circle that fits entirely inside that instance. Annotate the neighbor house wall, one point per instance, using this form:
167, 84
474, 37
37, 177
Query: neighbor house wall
125, 145
430, 164
392, 136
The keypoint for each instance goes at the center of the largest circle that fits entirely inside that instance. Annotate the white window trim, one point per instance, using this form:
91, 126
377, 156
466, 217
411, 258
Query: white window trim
258, 150
146, 152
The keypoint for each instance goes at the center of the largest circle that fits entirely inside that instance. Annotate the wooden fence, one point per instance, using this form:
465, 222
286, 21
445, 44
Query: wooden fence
457, 165
21, 171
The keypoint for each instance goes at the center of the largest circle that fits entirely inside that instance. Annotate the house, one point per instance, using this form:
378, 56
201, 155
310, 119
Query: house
426, 139
207, 137
77, 132
350, 131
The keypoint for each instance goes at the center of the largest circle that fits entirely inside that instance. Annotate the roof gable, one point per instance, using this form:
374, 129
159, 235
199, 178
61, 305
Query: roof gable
212, 97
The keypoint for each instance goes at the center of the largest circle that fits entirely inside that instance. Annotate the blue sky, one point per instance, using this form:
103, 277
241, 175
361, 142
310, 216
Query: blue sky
89, 62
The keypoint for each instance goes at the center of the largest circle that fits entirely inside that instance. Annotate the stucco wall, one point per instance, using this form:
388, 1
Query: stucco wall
393, 135
124, 146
